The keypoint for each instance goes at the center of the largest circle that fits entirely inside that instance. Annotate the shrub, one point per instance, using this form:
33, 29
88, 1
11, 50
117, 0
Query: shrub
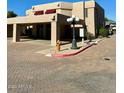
103, 32
89, 36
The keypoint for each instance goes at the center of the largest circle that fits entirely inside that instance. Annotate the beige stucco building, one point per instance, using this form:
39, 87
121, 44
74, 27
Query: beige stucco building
48, 21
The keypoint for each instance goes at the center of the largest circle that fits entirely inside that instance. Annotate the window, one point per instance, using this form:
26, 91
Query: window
50, 11
39, 12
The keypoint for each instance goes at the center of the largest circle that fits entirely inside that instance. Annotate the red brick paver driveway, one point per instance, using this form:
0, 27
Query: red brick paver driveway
87, 72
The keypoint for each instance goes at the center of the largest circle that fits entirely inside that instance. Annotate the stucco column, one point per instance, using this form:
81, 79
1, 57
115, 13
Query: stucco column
54, 28
16, 33
44, 30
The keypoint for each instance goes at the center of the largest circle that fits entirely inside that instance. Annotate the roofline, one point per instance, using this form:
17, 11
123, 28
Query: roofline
84, 1
64, 2
53, 3
99, 6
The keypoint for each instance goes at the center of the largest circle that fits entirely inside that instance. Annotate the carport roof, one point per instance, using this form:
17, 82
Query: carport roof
31, 19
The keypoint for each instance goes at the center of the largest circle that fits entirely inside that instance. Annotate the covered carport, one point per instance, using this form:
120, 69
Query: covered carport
20, 23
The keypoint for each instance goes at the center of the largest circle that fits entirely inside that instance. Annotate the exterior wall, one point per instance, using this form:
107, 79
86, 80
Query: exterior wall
95, 15
61, 7
78, 10
90, 21
66, 5
65, 12
99, 18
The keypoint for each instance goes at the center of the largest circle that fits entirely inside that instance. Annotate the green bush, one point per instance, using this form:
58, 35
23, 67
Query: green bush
103, 32
89, 36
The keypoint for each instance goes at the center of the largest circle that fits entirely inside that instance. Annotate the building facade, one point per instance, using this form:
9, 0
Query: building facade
49, 21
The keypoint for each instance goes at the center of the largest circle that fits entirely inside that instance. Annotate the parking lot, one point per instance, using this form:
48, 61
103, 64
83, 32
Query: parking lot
91, 71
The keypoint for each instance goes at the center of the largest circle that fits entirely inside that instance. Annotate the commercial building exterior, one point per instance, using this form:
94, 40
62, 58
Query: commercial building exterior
49, 21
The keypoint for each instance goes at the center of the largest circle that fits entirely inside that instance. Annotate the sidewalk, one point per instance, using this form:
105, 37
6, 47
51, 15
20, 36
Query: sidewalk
66, 49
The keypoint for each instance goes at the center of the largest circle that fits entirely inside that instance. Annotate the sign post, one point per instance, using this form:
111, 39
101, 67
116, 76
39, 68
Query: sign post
82, 34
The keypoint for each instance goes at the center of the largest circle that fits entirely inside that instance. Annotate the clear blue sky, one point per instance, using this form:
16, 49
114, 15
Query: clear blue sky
20, 6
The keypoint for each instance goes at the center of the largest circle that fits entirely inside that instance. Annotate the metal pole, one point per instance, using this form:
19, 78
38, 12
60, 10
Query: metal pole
74, 43
73, 31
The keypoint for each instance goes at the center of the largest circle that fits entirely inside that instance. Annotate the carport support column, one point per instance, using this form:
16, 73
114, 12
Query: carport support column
54, 28
16, 33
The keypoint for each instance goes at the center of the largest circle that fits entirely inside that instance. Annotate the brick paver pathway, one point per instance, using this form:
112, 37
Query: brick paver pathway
87, 72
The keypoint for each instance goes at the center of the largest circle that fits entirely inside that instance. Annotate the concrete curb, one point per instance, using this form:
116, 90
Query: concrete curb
72, 54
